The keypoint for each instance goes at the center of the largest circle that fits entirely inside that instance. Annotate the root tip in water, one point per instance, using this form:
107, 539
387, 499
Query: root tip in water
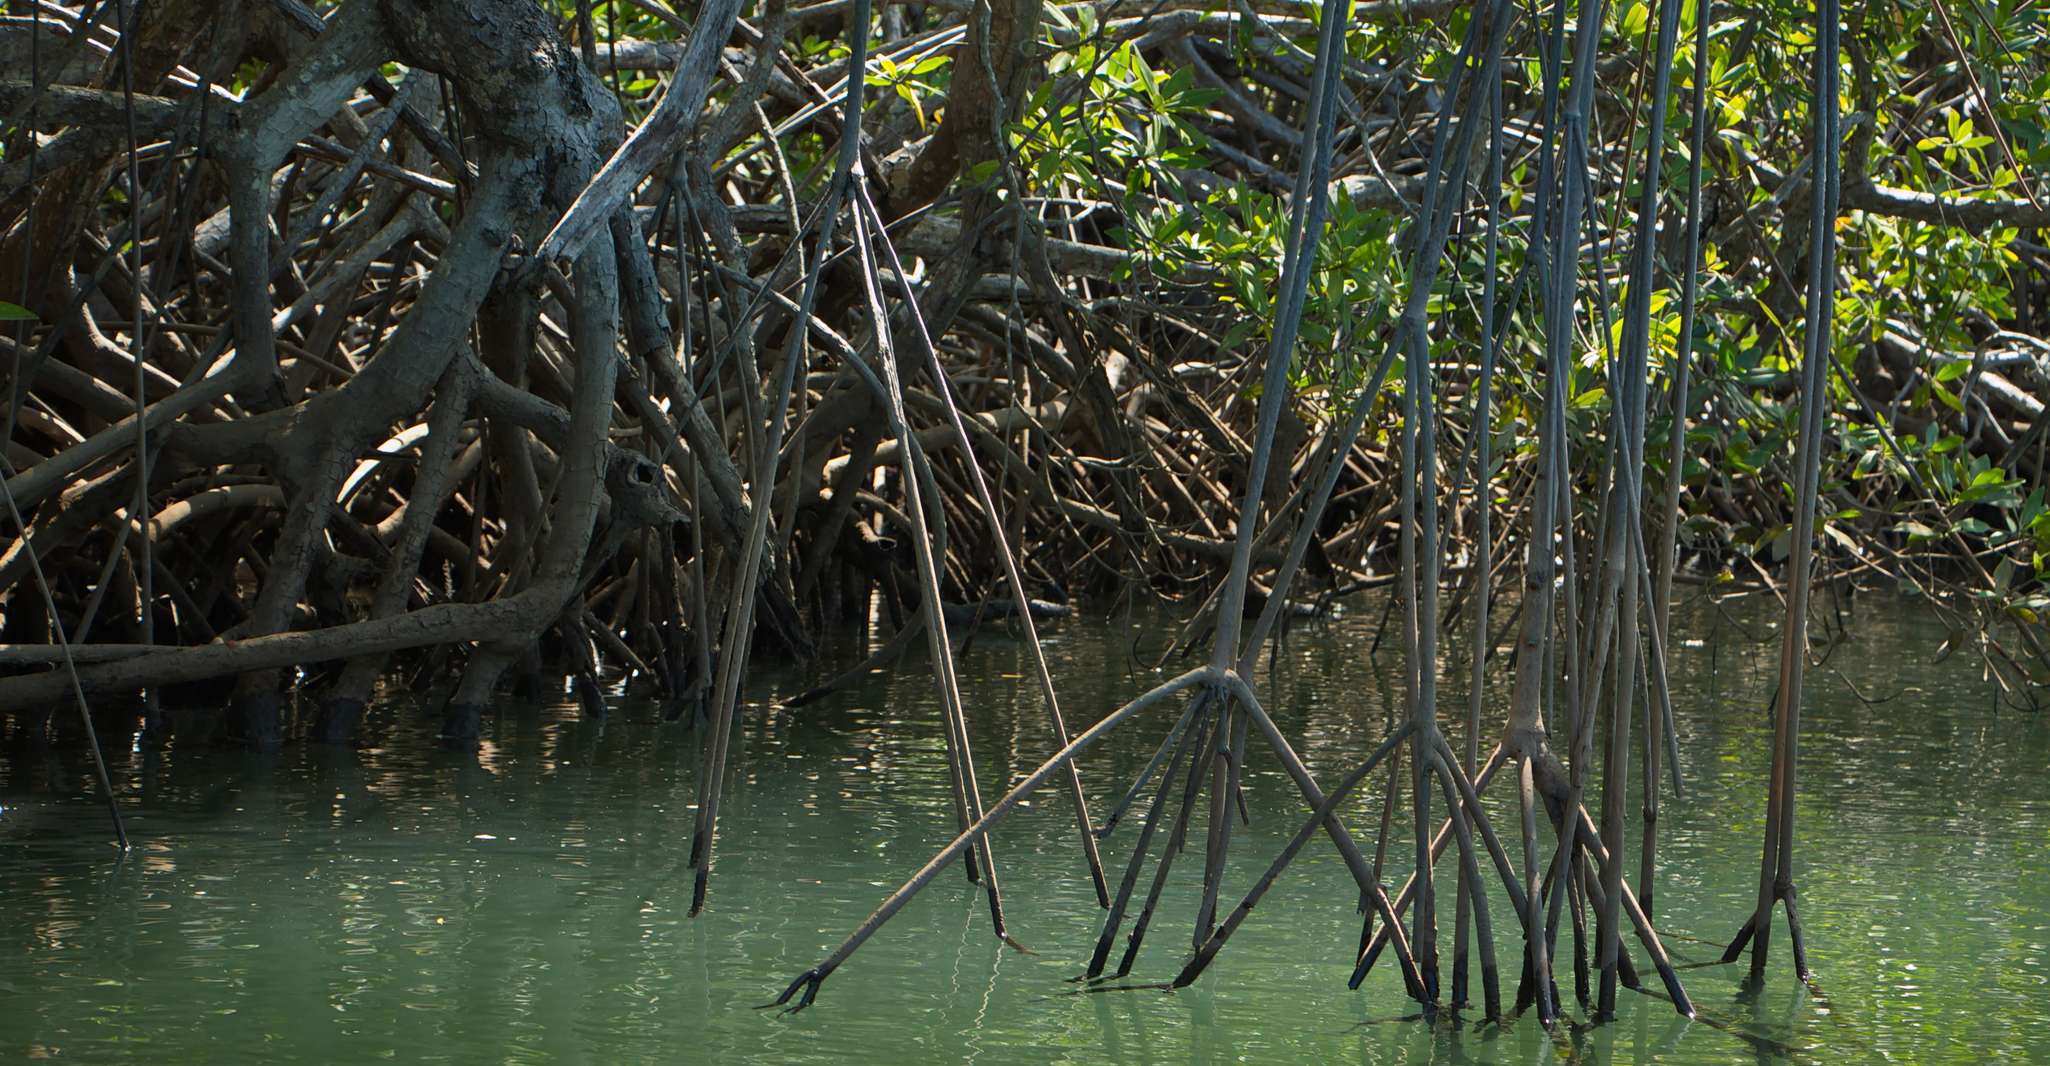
809, 980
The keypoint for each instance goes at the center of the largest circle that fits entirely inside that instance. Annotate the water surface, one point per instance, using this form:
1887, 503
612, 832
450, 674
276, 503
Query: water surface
395, 902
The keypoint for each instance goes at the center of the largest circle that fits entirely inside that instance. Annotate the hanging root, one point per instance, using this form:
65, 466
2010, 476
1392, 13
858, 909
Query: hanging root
996, 813
1215, 942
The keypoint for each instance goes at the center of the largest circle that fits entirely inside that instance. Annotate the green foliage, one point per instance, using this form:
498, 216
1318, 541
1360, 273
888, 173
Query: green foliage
615, 19
1106, 118
907, 80
1232, 243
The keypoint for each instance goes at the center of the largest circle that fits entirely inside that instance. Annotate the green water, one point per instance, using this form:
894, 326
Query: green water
394, 902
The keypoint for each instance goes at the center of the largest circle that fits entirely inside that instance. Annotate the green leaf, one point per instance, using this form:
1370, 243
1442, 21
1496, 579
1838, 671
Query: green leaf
1915, 530
1635, 19
1952, 370
15, 313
